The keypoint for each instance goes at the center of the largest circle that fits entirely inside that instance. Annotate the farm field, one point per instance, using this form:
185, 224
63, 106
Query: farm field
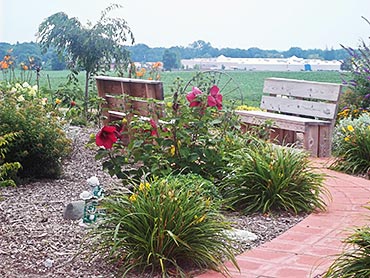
249, 82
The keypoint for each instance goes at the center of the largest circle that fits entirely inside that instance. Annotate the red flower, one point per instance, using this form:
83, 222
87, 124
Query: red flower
154, 131
153, 123
73, 103
215, 98
192, 96
106, 137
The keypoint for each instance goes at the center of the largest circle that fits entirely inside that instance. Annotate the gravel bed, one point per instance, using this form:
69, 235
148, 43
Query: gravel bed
35, 240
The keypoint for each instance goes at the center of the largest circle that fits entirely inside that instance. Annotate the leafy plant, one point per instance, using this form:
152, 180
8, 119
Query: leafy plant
355, 261
7, 170
164, 226
264, 177
351, 143
41, 142
191, 138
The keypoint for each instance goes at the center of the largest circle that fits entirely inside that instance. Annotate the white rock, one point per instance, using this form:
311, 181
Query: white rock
242, 235
48, 263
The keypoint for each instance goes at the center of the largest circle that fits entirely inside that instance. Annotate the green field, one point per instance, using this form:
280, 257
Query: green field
249, 82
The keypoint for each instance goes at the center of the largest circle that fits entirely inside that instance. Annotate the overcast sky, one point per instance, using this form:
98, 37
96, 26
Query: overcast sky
266, 24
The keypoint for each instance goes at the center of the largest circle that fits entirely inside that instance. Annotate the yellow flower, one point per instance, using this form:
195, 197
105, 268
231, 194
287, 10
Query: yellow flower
346, 138
20, 98
172, 150
58, 101
144, 186
133, 197
344, 130
124, 120
198, 220
350, 128
169, 104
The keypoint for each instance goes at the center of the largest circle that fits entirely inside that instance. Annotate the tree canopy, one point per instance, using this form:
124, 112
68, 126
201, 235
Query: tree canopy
90, 48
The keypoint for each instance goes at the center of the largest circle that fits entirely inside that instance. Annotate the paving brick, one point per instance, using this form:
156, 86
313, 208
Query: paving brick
307, 249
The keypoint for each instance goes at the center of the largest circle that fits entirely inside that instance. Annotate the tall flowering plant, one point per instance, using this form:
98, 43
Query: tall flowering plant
357, 99
191, 138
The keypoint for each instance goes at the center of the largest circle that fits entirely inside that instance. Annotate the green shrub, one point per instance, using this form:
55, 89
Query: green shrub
7, 170
164, 226
264, 177
355, 261
351, 145
41, 142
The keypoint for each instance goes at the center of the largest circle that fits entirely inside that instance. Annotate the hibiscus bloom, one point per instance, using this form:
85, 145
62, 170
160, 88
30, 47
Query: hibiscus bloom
192, 97
215, 98
106, 137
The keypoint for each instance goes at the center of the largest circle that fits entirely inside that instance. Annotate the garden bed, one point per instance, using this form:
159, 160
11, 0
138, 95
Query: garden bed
36, 241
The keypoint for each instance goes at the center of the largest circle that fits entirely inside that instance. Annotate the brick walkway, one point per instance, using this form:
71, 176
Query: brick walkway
307, 249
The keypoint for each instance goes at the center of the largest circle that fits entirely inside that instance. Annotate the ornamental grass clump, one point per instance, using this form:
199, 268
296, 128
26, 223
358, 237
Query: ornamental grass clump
263, 177
164, 226
352, 145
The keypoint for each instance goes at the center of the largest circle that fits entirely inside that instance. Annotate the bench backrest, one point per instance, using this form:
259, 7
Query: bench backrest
302, 98
130, 95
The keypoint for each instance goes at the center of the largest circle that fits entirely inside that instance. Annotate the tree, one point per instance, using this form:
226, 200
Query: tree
90, 48
170, 60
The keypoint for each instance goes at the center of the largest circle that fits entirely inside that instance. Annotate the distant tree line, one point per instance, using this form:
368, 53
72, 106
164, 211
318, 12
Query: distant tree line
169, 56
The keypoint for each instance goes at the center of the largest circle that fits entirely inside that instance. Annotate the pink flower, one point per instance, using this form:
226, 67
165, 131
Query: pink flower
153, 123
106, 137
192, 96
154, 131
215, 98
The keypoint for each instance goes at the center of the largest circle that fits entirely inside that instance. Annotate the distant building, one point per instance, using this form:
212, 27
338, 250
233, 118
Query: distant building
261, 64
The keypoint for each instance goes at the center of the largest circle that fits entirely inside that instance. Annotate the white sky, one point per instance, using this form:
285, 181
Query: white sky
266, 24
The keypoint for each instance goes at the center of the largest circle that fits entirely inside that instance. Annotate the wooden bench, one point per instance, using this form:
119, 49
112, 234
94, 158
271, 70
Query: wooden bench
125, 97
298, 107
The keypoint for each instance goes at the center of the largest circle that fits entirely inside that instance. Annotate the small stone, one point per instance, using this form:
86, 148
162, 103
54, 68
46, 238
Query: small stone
74, 210
242, 235
48, 263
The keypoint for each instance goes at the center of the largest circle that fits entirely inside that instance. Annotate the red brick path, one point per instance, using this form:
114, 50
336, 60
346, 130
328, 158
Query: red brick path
307, 249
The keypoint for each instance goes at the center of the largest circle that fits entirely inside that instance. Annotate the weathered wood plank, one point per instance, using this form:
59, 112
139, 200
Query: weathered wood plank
246, 117
303, 89
299, 107
325, 141
129, 86
311, 140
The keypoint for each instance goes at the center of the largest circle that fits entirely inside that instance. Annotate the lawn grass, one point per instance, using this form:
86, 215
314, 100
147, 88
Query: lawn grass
250, 82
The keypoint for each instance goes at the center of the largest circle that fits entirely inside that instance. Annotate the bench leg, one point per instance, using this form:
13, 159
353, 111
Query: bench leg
283, 137
325, 141
311, 140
